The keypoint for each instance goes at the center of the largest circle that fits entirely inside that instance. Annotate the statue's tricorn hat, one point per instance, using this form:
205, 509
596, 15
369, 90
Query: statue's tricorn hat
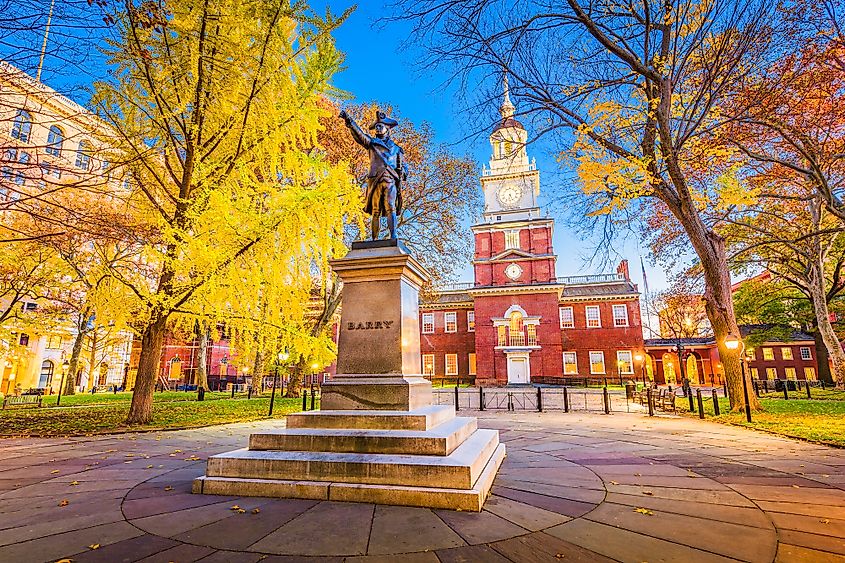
381, 117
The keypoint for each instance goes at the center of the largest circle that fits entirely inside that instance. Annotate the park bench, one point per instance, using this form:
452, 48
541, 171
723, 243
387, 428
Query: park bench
22, 401
667, 401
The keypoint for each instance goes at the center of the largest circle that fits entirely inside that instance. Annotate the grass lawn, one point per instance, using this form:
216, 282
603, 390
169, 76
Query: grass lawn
105, 412
816, 420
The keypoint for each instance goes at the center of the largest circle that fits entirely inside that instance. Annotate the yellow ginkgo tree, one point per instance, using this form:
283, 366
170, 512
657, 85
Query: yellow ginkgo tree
214, 104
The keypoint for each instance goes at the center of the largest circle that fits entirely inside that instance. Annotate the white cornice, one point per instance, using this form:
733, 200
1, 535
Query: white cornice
515, 289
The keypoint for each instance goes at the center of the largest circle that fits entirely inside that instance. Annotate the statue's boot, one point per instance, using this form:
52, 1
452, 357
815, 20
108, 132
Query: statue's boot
375, 226
391, 224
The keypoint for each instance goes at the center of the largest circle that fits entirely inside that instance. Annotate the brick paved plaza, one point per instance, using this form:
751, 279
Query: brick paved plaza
573, 488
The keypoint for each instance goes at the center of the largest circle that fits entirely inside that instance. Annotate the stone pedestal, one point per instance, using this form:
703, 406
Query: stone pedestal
378, 438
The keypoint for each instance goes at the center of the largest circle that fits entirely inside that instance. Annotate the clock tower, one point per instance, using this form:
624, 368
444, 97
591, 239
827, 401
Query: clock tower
513, 242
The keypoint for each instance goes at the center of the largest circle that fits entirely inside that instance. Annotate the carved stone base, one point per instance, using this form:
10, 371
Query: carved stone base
400, 393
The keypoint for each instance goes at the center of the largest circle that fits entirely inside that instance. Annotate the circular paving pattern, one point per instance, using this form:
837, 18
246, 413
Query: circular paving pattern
583, 488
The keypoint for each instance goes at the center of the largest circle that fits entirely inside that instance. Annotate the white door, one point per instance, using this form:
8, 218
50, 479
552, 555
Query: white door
518, 370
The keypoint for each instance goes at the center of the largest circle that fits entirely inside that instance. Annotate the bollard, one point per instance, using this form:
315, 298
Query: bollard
606, 401
313, 398
785, 389
725, 389
808, 390
457, 397
510, 402
273, 394
233, 390
305, 399
249, 392
201, 394
715, 404
650, 401
539, 399
691, 403
565, 400
481, 398
700, 403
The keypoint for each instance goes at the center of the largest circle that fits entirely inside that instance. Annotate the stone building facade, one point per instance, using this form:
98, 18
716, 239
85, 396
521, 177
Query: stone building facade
518, 323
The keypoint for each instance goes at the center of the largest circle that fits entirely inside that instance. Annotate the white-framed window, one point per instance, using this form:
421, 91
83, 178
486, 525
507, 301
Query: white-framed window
472, 366
511, 239
790, 373
620, 315
470, 321
597, 363
428, 364
83, 155
786, 353
55, 138
771, 373
531, 334
451, 364
768, 354
755, 373
567, 317
805, 353
54, 342
22, 126
428, 323
570, 363
810, 374
451, 319
501, 334
593, 316
625, 362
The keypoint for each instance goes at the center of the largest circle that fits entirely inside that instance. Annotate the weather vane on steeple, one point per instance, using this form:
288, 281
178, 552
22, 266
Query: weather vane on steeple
507, 109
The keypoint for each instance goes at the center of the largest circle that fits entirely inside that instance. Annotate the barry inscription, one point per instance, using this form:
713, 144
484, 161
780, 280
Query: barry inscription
369, 325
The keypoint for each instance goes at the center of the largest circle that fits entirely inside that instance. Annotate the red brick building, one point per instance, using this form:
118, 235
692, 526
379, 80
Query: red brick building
518, 323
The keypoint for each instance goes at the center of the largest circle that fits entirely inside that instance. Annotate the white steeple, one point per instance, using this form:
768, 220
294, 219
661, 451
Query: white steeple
507, 108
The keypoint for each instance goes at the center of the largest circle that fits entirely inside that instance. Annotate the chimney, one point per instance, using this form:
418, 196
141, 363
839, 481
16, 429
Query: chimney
622, 268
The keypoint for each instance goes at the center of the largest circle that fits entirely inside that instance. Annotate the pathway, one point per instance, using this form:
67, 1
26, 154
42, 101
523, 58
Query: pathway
575, 487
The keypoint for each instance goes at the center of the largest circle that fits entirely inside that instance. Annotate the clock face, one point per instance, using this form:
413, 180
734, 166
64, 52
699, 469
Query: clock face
513, 271
510, 195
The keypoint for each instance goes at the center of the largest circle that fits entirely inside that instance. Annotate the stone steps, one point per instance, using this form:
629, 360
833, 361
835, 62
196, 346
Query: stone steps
458, 470
471, 499
441, 440
424, 418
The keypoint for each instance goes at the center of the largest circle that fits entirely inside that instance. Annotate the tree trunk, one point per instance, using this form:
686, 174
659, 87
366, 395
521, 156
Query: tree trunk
258, 370
202, 352
70, 376
831, 341
141, 409
822, 357
718, 303
295, 384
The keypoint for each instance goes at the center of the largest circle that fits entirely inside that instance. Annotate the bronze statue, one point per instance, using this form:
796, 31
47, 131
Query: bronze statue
387, 171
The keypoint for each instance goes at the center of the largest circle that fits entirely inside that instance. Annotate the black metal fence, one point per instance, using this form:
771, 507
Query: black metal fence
538, 399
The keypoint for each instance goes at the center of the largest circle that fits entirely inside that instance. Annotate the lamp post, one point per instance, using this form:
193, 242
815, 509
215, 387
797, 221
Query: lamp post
65, 366
641, 359
281, 357
734, 343
684, 383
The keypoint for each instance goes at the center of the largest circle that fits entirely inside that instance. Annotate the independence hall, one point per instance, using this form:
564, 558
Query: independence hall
518, 323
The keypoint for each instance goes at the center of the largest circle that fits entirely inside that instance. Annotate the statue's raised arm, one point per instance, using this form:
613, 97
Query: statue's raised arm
387, 170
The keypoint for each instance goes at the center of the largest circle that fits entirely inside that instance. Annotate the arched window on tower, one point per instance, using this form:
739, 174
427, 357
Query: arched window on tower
46, 378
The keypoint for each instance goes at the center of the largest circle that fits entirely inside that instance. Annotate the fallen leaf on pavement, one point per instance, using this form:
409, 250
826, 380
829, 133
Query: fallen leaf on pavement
168, 488
255, 511
64, 503
649, 493
54, 471
74, 482
94, 546
644, 511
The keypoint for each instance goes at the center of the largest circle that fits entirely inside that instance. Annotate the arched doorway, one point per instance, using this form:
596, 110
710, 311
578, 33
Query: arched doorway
669, 374
694, 374
46, 377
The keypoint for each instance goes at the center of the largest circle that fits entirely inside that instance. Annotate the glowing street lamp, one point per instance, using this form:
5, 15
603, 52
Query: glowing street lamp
734, 343
640, 358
